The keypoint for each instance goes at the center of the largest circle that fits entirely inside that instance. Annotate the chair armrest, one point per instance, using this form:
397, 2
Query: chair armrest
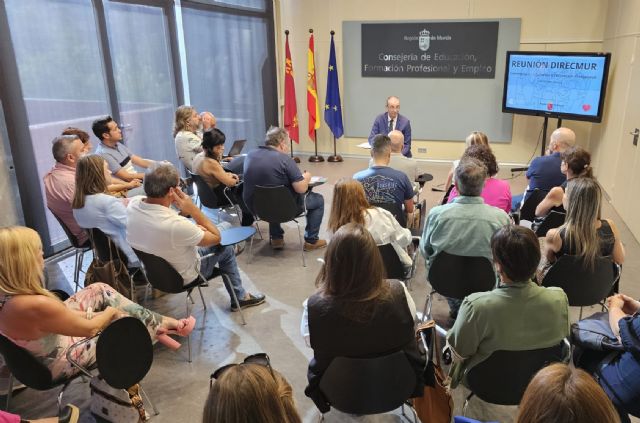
78, 344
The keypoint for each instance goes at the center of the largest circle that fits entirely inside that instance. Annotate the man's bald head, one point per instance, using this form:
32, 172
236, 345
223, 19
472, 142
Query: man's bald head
561, 139
208, 120
397, 141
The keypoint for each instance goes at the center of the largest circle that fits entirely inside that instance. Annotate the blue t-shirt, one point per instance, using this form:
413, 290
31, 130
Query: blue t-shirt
383, 184
544, 173
268, 167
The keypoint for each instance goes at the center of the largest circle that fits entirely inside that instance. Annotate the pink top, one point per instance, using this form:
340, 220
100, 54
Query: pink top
59, 186
8, 417
496, 193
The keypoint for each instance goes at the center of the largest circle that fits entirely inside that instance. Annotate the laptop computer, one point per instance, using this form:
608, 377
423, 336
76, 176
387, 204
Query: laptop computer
236, 148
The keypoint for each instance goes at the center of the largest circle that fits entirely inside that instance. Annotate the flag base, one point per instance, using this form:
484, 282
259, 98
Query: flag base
335, 159
316, 159
296, 159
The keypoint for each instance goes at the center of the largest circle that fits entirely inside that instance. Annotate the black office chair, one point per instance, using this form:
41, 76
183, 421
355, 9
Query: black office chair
369, 385
458, 276
215, 198
277, 205
394, 268
504, 376
583, 286
396, 210
123, 357
163, 277
445, 198
552, 220
80, 249
528, 209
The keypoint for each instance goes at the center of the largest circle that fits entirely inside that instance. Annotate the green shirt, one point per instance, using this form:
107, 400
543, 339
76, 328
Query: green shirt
463, 227
516, 317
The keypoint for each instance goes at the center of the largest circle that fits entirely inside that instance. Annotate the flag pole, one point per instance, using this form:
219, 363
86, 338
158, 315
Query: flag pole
336, 157
315, 158
295, 158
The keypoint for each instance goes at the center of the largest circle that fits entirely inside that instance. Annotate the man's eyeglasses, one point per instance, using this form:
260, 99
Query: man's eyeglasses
261, 359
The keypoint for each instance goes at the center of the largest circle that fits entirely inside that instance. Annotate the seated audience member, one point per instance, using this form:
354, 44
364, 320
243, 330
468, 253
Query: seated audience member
576, 163
465, 226
60, 182
517, 315
118, 156
208, 121
94, 208
562, 393
250, 393
36, 320
356, 312
544, 171
187, 141
619, 376
583, 233
270, 165
207, 165
474, 138
155, 228
398, 161
83, 135
115, 186
496, 192
350, 206
69, 414
383, 184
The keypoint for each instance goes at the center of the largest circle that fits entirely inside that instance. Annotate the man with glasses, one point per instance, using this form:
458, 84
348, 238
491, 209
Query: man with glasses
118, 156
392, 120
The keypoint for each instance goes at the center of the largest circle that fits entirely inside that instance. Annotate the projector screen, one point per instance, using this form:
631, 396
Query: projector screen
560, 85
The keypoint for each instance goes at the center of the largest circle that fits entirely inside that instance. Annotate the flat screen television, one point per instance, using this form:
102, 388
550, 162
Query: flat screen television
563, 85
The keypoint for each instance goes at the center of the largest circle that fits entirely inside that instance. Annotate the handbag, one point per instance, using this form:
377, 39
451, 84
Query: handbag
436, 403
112, 272
116, 405
594, 333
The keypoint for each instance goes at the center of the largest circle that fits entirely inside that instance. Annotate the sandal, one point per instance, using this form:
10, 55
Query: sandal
185, 327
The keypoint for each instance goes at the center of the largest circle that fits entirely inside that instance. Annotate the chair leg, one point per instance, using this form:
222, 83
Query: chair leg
76, 270
580, 318
250, 258
466, 404
202, 298
145, 395
9, 393
258, 229
188, 336
64, 387
427, 306
304, 263
235, 299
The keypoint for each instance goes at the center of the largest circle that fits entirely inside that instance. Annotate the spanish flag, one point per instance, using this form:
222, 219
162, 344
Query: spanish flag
312, 93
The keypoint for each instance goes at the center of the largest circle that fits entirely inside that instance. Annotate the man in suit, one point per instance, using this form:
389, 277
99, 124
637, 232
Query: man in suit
393, 120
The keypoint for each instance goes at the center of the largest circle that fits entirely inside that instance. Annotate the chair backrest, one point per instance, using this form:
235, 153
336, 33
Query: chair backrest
458, 276
503, 377
124, 352
161, 275
368, 385
528, 209
24, 366
207, 196
396, 210
392, 264
445, 198
553, 220
101, 242
582, 285
72, 238
274, 204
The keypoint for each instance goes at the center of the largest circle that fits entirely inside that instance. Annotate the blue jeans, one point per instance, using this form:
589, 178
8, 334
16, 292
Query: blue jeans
315, 211
516, 200
226, 260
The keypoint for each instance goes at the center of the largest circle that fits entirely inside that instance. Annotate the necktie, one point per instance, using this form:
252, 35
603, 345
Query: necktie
390, 125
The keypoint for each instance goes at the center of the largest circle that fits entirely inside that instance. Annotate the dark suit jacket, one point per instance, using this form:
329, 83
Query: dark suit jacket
381, 126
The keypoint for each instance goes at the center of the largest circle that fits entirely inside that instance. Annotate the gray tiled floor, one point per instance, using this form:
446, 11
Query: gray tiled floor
179, 388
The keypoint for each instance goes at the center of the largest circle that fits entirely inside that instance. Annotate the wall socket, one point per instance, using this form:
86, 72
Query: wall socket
422, 150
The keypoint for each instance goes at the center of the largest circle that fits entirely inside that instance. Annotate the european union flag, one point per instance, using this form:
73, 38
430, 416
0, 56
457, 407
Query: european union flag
332, 106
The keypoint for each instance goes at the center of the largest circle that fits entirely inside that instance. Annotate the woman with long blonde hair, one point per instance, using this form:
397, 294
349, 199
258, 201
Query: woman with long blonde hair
584, 234
474, 138
35, 319
94, 208
248, 393
187, 141
350, 205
